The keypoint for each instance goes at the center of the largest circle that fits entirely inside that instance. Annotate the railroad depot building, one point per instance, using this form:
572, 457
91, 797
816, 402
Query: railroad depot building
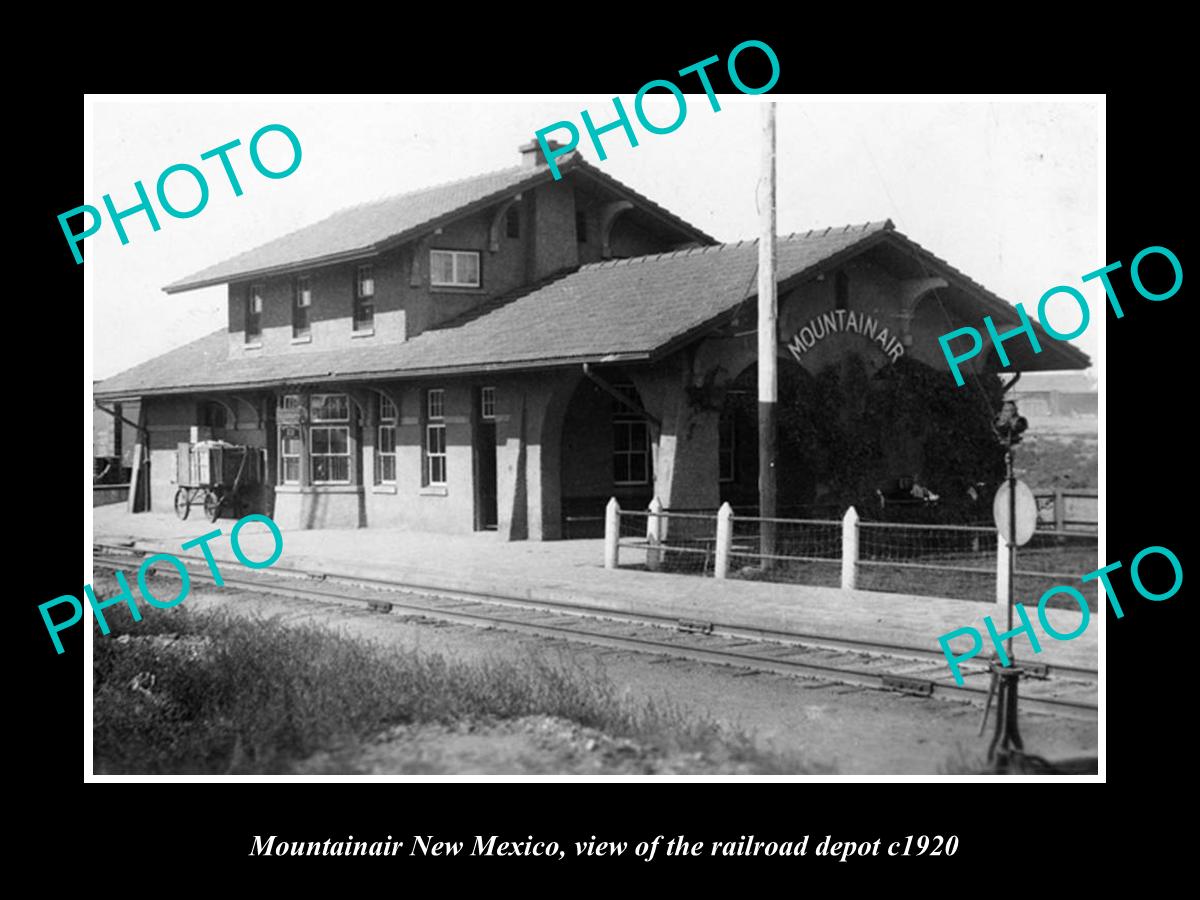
508, 351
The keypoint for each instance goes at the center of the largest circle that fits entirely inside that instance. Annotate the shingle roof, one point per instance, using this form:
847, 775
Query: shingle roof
629, 309
361, 229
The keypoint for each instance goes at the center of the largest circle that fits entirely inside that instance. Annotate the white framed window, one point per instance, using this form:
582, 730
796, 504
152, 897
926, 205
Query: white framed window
435, 453
330, 454
290, 401
329, 445
454, 268
385, 445
487, 402
631, 441
435, 438
289, 454
435, 408
387, 409
330, 408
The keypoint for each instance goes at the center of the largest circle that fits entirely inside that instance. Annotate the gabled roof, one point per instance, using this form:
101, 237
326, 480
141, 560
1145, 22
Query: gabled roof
367, 228
630, 310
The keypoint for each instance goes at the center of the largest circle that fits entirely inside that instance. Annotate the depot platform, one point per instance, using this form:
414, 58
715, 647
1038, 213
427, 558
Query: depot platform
572, 572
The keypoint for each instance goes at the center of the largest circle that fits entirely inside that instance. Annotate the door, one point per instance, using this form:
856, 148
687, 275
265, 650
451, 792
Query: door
485, 468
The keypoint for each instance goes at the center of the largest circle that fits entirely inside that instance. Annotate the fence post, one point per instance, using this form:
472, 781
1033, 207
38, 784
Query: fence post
724, 540
1002, 552
612, 532
654, 531
1060, 511
850, 549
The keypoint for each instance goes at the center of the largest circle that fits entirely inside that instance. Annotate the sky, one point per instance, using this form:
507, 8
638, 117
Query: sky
1004, 191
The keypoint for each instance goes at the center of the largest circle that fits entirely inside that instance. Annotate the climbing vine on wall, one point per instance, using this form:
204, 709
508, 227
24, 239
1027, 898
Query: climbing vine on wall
839, 429
954, 427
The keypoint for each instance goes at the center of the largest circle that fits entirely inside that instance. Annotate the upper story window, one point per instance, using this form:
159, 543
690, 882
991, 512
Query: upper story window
454, 268
512, 222
487, 403
254, 308
364, 299
581, 226
302, 303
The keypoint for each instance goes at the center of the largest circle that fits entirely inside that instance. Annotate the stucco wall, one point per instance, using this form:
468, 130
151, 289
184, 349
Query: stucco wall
169, 421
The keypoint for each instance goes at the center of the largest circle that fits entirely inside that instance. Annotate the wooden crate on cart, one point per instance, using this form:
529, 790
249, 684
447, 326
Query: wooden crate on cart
216, 473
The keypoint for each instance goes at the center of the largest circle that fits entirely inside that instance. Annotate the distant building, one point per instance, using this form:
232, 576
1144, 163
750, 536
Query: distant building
508, 351
1056, 394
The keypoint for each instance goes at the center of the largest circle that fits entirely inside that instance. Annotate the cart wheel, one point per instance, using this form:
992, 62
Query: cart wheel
212, 505
182, 505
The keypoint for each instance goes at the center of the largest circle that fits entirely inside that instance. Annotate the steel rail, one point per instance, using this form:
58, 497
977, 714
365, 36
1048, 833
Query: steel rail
723, 629
633, 617
461, 615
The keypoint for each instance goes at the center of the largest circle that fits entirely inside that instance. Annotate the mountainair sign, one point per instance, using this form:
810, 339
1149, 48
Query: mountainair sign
826, 324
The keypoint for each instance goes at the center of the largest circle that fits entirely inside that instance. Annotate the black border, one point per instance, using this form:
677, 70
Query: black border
1148, 407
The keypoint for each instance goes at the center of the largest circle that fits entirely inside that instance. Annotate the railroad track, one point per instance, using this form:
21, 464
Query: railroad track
1067, 691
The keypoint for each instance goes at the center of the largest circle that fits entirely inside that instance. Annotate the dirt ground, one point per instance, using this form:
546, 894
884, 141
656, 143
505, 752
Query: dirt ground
850, 730
531, 745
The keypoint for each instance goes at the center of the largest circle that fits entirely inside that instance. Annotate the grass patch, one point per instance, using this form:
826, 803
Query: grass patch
1058, 461
217, 693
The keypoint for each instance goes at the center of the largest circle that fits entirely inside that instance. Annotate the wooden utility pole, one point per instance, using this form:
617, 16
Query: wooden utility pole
767, 339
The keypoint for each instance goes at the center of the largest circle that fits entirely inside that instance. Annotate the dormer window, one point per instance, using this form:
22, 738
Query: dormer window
454, 268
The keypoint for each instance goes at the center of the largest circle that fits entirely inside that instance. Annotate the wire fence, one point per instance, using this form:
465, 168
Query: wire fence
961, 561
688, 543
955, 561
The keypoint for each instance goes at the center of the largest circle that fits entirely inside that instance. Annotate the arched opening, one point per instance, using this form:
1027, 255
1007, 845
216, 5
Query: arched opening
212, 414
737, 449
605, 452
